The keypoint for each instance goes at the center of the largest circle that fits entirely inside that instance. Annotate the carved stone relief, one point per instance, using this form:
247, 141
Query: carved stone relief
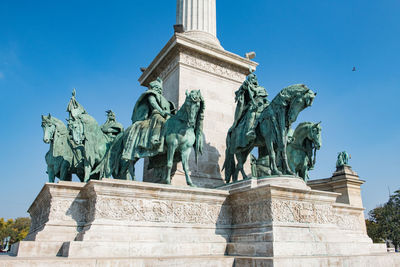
153, 210
212, 65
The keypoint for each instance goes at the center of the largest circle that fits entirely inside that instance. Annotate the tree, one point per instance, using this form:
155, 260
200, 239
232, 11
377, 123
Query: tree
17, 229
384, 221
374, 232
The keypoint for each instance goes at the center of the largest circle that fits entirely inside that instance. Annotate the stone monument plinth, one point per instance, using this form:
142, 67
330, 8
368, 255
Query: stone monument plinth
114, 218
276, 221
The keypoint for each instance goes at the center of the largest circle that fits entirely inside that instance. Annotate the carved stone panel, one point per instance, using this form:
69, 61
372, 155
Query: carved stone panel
155, 210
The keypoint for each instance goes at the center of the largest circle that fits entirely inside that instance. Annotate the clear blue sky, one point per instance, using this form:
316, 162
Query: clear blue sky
49, 47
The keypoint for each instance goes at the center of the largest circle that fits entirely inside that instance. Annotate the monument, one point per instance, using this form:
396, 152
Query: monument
194, 59
204, 108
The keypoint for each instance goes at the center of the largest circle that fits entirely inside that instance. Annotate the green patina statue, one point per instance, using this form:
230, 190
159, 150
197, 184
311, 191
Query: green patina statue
156, 133
92, 151
301, 151
342, 159
251, 99
60, 159
271, 126
111, 127
144, 138
91, 142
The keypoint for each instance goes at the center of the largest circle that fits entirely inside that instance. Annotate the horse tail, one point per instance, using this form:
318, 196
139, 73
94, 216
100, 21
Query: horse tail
229, 163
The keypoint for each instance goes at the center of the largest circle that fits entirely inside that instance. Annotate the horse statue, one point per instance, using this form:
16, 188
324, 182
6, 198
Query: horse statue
271, 131
60, 158
178, 135
91, 141
301, 151
184, 131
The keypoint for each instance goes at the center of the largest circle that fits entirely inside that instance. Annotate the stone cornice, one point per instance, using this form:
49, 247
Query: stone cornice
335, 181
180, 43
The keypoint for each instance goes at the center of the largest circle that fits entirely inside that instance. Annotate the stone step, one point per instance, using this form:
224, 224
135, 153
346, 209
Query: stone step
36, 248
294, 248
146, 234
206, 261
361, 260
82, 249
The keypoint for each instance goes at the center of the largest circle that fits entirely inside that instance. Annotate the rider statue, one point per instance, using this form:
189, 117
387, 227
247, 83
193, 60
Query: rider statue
251, 100
145, 136
74, 108
111, 127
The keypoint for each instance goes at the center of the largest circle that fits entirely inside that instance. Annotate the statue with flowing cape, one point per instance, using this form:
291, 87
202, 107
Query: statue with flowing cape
271, 129
91, 142
158, 134
302, 149
61, 160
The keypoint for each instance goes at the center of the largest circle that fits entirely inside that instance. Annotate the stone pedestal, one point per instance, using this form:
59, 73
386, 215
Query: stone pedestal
114, 218
187, 64
57, 215
344, 181
283, 217
275, 221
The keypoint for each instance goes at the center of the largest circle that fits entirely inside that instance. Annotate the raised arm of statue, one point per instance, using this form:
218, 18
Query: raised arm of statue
153, 103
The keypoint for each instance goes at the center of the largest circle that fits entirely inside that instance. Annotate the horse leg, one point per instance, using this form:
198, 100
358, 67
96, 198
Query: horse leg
236, 172
241, 157
170, 158
285, 164
64, 170
50, 172
185, 164
272, 158
292, 163
263, 154
303, 173
88, 170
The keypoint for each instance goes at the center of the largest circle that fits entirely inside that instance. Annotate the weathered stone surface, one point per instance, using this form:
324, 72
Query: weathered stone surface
270, 220
110, 218
200, 261
258, 222
344, 181
57, 212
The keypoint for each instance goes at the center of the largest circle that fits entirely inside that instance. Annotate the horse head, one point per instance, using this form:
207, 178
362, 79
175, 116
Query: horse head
193, 104
315, 135
49, 128
77, 131
300, 97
